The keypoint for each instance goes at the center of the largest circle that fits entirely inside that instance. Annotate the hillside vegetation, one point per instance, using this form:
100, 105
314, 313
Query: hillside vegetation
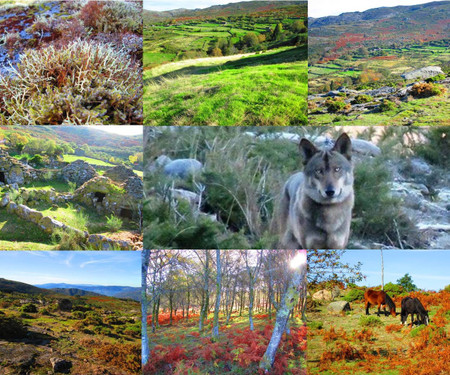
240, 64
358, 53
91, 335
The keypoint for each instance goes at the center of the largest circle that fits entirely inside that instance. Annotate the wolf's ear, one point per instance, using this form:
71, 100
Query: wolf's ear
343, 145
307, 150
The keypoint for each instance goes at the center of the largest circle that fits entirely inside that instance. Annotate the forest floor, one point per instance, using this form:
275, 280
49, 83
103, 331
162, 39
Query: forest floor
355, 344
179, 347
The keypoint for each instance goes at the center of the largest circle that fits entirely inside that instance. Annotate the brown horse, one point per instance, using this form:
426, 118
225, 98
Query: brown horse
379, 297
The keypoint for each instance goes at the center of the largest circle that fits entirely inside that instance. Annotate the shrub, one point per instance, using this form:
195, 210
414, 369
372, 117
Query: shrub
45, 311
83, 83
393, 289
37, 160
11, 328
387, 105
360, 99
124, 356
425, 90
370, 321
78, 315
354, 295
438, 77
29, 308
334, 105
315, 325
93, 318
68, 240
438, 141
113, 223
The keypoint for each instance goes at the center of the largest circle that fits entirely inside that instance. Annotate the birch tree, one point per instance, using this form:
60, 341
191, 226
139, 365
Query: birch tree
144, 306
215, 332
288, 302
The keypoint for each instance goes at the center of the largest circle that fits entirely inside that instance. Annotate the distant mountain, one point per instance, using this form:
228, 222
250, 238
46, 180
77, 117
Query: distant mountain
391, 27
225, 10
111, 291
10, 286
74, 292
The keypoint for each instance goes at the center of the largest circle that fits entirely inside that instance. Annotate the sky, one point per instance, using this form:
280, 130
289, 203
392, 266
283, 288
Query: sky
121, 129
429, 269
322, 8
160, 5
120, 268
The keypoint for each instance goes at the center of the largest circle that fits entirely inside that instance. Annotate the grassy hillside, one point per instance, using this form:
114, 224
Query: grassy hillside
236, 64
95, 334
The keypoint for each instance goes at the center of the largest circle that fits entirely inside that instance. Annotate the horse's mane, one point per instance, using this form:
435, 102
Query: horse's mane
390, 303
419, 306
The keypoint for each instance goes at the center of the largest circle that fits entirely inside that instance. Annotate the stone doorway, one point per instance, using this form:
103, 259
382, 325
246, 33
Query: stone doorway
3, 177
99, 196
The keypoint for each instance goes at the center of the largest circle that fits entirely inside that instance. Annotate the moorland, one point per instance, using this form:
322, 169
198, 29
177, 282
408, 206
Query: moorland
236, 64
71, 62
354, 343
69, 188
373, 67
43, 331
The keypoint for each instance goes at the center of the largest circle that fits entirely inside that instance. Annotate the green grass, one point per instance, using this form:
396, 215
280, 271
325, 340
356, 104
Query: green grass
72, 158
17, 234
255, 90
59, 186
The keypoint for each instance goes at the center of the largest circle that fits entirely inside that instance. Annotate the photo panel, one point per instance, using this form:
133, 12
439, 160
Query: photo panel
71, 188
217, 311
323, 187
71, 312
378, 311
71, 62
235, 64
378, 63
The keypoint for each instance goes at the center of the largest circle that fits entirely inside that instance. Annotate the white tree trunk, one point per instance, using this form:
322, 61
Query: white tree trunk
215, 332
144, 307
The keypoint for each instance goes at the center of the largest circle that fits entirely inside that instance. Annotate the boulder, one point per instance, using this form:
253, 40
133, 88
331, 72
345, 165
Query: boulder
365, 147
382, 91
183, 168
423, 73
322, 295
61, 365
419, 166
191, 197
134, 186
79, 172
49, 225
338, 307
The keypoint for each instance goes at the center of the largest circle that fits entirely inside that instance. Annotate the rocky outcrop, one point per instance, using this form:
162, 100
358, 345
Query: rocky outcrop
78, 172
338, 307
423, 73
62, 366
322, 295
183, 168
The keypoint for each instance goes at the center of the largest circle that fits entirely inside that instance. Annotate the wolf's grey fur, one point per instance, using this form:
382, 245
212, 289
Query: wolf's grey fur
316, 204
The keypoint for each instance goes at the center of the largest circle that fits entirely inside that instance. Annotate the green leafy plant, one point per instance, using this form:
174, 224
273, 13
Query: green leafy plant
114, 223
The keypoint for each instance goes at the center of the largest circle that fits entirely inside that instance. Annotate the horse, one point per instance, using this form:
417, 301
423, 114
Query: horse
414, 306
379, 297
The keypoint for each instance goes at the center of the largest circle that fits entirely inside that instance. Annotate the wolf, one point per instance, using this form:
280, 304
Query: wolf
316, 204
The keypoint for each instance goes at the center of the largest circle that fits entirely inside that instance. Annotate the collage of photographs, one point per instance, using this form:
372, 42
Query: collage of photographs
249, 187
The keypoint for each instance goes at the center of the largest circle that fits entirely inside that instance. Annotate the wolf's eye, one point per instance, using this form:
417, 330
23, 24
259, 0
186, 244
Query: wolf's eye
318, 171
337, 169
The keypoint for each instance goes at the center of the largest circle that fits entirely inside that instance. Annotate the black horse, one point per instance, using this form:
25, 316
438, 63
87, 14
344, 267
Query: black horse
414, 306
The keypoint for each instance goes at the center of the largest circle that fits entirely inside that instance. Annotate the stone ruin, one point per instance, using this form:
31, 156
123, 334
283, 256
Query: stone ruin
78, 172
12, 171
120, 194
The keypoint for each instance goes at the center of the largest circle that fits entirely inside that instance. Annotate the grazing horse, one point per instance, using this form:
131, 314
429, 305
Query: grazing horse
414, 306
379, 297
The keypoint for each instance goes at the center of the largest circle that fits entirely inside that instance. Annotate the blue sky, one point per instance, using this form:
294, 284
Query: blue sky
121, 268
126, 130
321, 8
429, 269
160, 5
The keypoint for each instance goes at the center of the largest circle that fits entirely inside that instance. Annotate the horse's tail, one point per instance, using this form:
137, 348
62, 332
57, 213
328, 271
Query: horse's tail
391, 304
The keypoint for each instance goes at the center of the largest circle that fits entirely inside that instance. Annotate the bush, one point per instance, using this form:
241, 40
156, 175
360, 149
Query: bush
433, 150
29, 308
387, 105
360, 99
11, 328
113, 223
370, 321
393, 289
334, 105
68, 240
124, 356
438, 77
37, 160
354, 295
83, 83
425, 90
315, 325
93, 318
79, 315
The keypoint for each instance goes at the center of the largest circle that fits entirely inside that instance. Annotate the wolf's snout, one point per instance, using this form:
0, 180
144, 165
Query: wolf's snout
330, 192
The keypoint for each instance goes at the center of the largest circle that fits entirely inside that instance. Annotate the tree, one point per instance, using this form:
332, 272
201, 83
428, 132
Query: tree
288, 302
250, 39
144, 306
252, 271
298, 27
215, 332
205, 293
407, 283
277, 32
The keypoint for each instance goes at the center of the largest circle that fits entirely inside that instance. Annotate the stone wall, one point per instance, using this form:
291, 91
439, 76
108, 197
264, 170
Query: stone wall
12, 171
